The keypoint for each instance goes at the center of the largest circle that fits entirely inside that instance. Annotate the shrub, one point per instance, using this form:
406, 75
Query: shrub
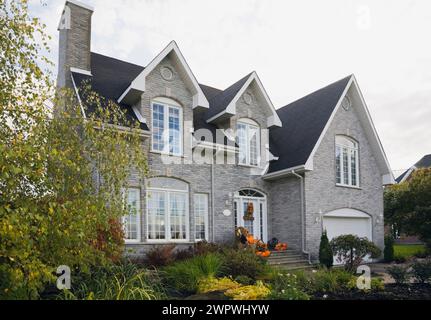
160, 256
119, 282
204, 247
422, 271
331, 281
258, 291
184, 254
399, 274
184, 276
351, 250
400, 258
213, 284
389, 249
286, 287
326, 256
244, 280
243, 262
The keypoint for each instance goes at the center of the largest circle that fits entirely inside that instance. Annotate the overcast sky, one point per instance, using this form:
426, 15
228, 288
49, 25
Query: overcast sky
296, 47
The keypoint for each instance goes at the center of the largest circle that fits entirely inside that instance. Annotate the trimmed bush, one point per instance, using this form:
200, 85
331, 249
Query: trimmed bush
184, 276
213, 284
399, 274
422, 271
326, 256
351, 250
259, 291
243, 262
389, 253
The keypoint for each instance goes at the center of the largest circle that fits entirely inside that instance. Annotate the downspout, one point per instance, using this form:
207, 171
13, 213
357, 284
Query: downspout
303, 246
212, 202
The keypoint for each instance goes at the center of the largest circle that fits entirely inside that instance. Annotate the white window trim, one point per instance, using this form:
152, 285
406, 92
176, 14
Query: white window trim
168, 217
349, 164
206, 217
138, 215
166, 106
250, 123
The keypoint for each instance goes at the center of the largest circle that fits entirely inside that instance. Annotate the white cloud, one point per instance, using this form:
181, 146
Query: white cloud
296, 47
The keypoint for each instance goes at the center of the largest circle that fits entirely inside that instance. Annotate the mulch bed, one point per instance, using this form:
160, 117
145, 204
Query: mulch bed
392, 292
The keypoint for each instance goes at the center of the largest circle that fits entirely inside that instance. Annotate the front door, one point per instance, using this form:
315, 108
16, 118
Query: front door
250, 213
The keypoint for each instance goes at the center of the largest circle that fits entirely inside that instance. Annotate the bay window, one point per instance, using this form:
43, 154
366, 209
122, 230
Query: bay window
167, 128
248, 140
346, 161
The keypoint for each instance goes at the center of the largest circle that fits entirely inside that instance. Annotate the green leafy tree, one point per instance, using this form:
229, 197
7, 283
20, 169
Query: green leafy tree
326, 256
351, 250
408, 205
62, 178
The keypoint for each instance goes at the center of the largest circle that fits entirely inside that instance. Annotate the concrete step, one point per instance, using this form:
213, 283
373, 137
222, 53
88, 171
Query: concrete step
287, 262
287, 256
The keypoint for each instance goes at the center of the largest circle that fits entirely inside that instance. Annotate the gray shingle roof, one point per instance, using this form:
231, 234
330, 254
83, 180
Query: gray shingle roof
425, 162
303, 122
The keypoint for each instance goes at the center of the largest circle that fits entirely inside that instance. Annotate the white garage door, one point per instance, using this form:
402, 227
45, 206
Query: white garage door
348, 221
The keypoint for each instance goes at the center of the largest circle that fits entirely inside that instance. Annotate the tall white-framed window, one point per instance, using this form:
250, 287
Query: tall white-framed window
167, 127
346, 161
132, 222
167, 215
200, 203
248, 140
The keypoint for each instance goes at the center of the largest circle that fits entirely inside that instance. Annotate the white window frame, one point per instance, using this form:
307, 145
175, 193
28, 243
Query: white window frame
349, 150
138, 215
167, 104
167, 239
206, 219
250, 124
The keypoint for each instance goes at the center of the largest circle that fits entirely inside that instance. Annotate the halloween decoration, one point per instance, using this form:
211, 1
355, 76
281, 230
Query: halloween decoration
249, 212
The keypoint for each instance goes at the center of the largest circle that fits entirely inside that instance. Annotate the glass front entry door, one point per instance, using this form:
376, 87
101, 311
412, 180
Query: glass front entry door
250, 213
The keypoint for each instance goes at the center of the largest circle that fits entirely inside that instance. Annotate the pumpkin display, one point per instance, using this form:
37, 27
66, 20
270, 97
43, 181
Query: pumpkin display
281, 247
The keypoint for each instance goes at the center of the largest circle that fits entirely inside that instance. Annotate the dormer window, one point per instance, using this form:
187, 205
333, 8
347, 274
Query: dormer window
248, 140
167, 127
346, 161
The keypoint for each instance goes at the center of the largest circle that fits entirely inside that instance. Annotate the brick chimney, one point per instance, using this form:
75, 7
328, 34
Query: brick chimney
75, 40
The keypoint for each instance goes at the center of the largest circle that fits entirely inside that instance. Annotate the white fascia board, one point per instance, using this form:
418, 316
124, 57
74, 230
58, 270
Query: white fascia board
139, 83
81, 71
80, 4
273, 120
408, 174
139, 116
309, 162
77, 95
285, 172
374, 131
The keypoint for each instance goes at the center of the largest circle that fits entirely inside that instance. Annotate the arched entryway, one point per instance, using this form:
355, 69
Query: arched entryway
250, 210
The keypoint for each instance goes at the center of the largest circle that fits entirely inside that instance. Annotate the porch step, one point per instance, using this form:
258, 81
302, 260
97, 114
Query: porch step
288, 260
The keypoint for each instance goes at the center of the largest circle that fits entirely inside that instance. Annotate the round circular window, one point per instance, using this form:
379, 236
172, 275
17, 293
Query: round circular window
346, 104
248, 98
167, 73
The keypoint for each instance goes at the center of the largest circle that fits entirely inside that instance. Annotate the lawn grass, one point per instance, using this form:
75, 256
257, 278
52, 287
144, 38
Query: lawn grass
408, 250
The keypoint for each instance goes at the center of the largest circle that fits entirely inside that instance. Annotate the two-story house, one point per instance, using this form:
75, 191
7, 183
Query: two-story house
222, 158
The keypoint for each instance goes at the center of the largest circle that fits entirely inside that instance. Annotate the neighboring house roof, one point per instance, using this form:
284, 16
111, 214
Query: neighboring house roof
303, 122
109, 78
425, 162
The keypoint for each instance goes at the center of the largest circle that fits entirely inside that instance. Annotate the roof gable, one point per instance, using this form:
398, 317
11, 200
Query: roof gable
224, 103
425, 162
138, 85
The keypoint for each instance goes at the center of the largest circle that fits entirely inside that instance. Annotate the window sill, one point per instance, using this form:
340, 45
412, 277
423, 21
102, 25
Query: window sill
248, 166
168, 154
347, 186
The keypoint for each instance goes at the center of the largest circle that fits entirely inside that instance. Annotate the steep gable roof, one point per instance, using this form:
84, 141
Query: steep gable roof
303, 122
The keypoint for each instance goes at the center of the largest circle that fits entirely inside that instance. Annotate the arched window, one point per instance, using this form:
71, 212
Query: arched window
167, 210
346, 161
248, 140
167, 126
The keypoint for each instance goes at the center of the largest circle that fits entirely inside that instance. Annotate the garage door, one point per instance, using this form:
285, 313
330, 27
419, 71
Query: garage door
347, 221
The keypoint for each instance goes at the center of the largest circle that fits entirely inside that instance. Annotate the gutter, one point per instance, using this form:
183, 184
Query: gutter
212, 201
303, 245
